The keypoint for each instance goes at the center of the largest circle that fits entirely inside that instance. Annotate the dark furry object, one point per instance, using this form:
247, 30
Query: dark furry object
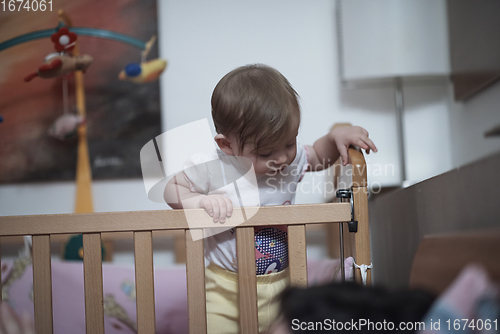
349, 302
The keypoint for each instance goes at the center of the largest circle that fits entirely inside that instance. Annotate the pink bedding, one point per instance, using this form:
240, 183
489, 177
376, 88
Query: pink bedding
119, 294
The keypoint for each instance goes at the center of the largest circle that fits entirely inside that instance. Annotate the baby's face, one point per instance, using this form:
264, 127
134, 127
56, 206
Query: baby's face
272, 159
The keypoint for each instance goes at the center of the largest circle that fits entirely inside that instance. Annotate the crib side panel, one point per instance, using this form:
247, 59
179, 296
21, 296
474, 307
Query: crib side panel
92, 278
42, 284
195, 274
144, 282
295, 216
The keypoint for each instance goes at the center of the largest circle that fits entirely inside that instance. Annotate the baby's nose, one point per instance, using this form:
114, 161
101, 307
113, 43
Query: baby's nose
281, 159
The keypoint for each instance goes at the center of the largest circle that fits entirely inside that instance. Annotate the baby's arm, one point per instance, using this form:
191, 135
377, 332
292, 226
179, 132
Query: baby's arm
328, 148
179, 196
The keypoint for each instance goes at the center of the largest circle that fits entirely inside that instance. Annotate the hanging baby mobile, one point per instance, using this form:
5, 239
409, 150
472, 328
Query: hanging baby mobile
63, 62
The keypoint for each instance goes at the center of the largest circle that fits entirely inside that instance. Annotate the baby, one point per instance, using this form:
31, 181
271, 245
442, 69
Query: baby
257, 116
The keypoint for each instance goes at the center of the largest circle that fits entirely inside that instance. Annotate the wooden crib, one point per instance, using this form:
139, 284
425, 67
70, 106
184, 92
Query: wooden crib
143, 223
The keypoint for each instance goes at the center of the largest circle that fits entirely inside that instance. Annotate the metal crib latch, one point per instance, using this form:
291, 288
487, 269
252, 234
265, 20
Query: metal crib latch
344, 193
347, 193
353, 226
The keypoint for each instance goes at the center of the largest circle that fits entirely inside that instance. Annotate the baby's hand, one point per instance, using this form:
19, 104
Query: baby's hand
351, 135
217, 206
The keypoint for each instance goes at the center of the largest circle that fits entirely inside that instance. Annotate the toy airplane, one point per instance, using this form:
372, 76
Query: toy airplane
56, 65
143, 72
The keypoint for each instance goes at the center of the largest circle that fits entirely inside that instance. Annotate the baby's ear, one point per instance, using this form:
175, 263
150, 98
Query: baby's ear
224, 144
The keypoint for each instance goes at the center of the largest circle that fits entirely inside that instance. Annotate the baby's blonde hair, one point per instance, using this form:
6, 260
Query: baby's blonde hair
255, 102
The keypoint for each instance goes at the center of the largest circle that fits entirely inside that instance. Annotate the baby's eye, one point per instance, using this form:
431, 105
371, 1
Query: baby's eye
265, 155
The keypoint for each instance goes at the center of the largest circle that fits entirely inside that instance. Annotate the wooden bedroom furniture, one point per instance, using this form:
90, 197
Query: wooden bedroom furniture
143, 223
464, 199
441, 257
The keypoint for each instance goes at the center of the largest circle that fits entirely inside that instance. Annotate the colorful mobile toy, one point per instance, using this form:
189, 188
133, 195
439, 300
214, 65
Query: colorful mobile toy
64, 40
67, 60
56, 65
65, 126
145, 71
61, 63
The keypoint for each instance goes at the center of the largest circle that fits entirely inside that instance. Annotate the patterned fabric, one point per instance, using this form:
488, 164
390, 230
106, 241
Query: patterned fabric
271, 250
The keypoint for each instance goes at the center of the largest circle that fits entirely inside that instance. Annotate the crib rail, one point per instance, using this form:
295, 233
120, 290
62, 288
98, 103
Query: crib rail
142, 224
91, 225
167, 220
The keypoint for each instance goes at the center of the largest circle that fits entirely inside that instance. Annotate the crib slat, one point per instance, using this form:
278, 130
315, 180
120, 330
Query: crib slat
144, 282
297, 255
195, 275
362, 237
92, 274
42, 284
247, 283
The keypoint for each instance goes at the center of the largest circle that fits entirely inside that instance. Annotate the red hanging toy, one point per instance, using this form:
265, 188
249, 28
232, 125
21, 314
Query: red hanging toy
63, 40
